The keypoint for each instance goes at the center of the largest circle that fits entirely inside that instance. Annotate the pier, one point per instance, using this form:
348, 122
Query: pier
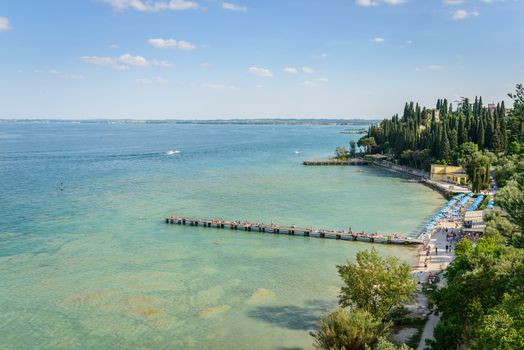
337, 162
292, 230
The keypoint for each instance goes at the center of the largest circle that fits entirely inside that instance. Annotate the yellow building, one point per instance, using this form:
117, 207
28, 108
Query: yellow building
449, 173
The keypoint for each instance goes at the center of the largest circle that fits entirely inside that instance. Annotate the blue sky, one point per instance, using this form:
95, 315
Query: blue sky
203, 59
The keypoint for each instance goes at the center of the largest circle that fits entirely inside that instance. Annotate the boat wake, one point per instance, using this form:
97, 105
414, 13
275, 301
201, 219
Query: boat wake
172, 151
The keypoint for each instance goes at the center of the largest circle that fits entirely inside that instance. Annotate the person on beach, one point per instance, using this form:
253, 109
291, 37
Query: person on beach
436, 250
446, 248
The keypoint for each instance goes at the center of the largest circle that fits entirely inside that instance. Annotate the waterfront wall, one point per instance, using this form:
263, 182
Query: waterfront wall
420, 174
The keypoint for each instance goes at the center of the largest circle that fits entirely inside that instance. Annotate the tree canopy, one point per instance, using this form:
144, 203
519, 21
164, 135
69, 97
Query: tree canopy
375, 284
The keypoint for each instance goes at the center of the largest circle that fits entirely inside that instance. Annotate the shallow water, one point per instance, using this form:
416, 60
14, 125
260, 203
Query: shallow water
95, 267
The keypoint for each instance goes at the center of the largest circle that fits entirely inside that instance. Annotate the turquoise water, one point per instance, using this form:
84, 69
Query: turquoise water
95, 267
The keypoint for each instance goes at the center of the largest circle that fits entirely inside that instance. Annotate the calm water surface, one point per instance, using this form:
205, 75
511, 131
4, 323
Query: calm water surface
95, 267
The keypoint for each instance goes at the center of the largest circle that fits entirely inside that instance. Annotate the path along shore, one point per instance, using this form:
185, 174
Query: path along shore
431, 260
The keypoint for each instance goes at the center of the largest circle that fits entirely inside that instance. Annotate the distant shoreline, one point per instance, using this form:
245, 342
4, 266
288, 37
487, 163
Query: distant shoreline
236, 121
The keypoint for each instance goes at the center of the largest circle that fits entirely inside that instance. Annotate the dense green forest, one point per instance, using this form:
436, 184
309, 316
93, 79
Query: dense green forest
477, 136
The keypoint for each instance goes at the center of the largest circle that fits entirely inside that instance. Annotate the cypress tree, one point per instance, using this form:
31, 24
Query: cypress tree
453, 139
461, 131
488, 139
503, 134
480, 107
445, 148
480, 139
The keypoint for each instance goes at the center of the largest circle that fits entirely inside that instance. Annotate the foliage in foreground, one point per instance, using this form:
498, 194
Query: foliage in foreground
484, 290
375, 284
372, 287
511, 198
348, 329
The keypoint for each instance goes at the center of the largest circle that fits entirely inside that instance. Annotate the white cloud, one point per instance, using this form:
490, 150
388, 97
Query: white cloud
370, 3
366, 3
308, 70
378, 40
130, 60
454, 2
4, 24
260, 72
171, 43
463, 14
184, 45
124, 62
153, 5
148, 81
291, 70
232, 7
315, 82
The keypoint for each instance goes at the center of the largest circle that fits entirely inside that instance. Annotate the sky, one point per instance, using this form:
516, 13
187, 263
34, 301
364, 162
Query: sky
207, 59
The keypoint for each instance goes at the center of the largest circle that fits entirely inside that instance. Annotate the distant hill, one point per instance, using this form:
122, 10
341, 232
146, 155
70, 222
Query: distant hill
293, 121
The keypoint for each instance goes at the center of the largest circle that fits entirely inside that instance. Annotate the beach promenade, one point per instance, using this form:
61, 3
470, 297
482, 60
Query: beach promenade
428, 266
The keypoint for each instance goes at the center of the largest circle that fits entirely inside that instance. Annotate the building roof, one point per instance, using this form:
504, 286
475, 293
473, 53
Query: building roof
474, 216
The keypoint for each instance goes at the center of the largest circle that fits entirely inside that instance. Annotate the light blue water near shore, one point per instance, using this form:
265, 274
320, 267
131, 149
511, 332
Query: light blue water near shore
95, 267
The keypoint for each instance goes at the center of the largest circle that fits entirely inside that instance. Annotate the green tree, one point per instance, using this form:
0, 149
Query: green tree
496, 224
477, 282
445, 149
502, 327
511, 198
384, 344
375, 284
515, 148
517, 120
466, 151
506, 167
347, 330
478, 169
